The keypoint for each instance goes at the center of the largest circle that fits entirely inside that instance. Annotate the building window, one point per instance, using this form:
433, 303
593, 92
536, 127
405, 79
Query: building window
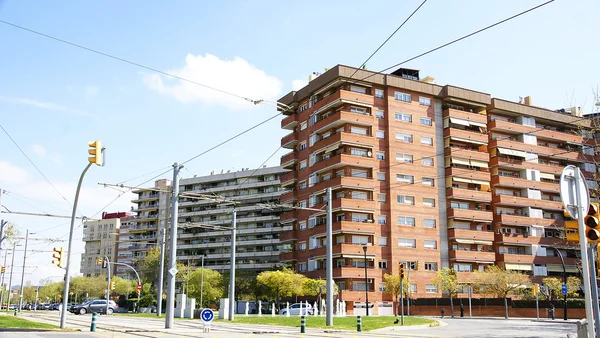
380, 197
406, 158
303, 107
424, 101
427, 161
302, 225
380, 155
357, 89
404, 199
427, 181
382, 287
302, 145
358, 152
425, 121
380, 134
409, 179
302, 267
402, 96
430, 266
381, 176
341, 285
407, 243
302, 204
302, 185
379, 93
380, 114
381, 219
431, 288
303, 125
430, 244
383, 264
427, 140
382, 241
403, 117
406, 220
429, 202
302, 246
302, 164
429, 223
358, 110
404, 137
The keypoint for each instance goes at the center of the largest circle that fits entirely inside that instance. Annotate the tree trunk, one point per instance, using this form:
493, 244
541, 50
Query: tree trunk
505, 308
451, 306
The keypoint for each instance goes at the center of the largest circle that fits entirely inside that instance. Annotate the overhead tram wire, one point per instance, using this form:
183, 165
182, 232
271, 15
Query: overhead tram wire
388, 39
458, 39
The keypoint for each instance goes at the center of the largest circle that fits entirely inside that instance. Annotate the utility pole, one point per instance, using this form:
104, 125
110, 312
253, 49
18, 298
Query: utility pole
12, 265
232, 268
2, 283
161, 273
173, 248
202, 282
23, 273
108, 283
329, 263
2, 225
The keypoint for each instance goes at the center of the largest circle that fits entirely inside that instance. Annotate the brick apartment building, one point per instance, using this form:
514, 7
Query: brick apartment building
434, 176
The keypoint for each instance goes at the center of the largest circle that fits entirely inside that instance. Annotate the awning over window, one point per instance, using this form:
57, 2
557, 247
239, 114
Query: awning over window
477, 124
459, 121
332, 148
460, 161
465, 140
547, 176
480, 164
558, 268
464, 241
512, 152
518, 266
470, 180
483, 242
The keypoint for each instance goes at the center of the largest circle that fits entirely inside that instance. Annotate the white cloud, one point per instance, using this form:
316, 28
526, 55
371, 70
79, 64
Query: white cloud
298, 84
12, 174
235, 76
43, 105
38, 150
91, 91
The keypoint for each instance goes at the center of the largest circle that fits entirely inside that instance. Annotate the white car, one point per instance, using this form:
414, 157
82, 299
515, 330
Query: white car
294, 309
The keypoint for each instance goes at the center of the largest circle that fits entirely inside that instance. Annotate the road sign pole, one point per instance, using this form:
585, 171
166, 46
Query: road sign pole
170, 315
584, 257
594, 287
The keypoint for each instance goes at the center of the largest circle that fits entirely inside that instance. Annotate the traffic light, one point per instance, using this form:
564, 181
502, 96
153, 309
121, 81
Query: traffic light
99, 261
401, 270
536, 289
112, 285
104, 263
592, 220
96, 152
3, 269
572, 227
57, 256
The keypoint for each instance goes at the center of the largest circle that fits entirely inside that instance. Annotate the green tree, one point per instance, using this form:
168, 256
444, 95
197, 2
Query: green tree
49, 290
123, 286
10, 235
281, 283
149, 266
555, 286
500, 283
392, 287
446, 281
211, 284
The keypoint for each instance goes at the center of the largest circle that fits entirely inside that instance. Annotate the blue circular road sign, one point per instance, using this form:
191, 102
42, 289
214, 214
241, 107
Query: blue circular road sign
207, 315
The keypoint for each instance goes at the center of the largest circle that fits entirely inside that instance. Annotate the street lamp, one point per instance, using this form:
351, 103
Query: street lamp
366, 281
564, 280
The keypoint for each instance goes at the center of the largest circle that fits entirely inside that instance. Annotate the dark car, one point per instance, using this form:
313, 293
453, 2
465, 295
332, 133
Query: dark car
94, 306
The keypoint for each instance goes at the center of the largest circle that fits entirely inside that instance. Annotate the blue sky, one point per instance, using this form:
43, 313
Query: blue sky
54, 98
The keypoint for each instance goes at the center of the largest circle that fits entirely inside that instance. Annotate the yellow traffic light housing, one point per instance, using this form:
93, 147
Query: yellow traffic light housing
99, 261
112, 285
572, 228
401, 270
592, 220
96, 152
57, 256
536, 289
3, 269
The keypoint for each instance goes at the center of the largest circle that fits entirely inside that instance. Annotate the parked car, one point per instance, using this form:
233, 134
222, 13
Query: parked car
94, 306
294, 309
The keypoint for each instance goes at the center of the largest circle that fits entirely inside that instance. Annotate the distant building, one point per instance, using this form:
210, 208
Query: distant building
100, 239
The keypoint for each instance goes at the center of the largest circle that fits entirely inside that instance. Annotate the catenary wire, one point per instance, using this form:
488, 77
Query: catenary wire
389, 37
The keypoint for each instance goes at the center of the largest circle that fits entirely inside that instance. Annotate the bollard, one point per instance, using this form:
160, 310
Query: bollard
358, 324
94, 318
302, 324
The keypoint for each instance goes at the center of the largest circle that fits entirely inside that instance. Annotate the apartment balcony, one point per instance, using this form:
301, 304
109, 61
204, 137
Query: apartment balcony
517, 182
472, 256
515, 164
347, 181
465, 115
143, 228
516, 201
569, 261
466, 136
351, 272
468, 194
477, 235
463, 152
142, 198
520, 239
342, 117
346, 227
289, 178
468, 173
360, 99
511, 127
515, 258
290, 140
289, 160
508, 219
342, 160
153, 206
287, 256
288, 197
470, 214
290, 122
353, 205
346, 250
363, 141
558, 153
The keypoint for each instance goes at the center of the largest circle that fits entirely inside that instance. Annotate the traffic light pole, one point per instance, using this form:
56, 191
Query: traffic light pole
329, 263
2, 283
161, 274
584, 257
594, 288
173, 248
23, 273
108, 279
63, 313
232, 268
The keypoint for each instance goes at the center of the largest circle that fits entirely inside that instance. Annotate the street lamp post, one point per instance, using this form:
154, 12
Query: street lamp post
366, 282
23, 271
564, 281
201, 282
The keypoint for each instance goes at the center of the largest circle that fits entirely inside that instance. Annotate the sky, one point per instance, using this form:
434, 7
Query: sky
55, 97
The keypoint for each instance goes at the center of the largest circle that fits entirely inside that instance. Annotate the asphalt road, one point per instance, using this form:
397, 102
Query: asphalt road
140, 327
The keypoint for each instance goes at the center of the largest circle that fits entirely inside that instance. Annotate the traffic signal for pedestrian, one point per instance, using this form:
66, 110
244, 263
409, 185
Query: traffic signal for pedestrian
572, 227
3, 269
57, 256
112, 285
592, 220
96, 152
401, 270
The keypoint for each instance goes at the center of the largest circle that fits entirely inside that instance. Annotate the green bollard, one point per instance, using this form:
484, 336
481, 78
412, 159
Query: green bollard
303, 324
358, 324
94, 318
